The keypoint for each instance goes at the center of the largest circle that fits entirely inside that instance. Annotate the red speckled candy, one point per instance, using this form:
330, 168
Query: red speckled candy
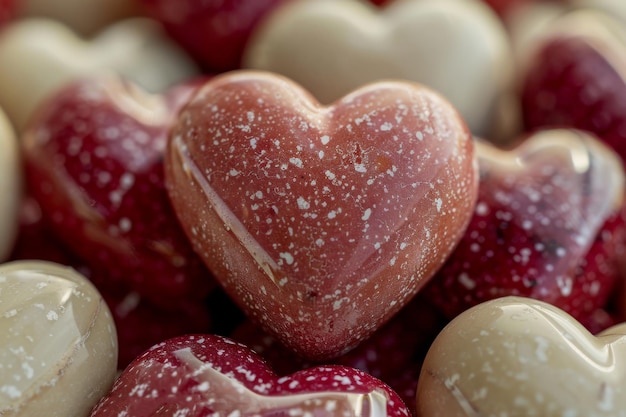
94, 163
206, 375
321, 222
549, 224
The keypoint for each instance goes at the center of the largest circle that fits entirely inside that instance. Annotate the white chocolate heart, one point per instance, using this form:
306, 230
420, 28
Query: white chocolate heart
40, 55
11, 186
84, 16
459, 48
521, 357
58, 345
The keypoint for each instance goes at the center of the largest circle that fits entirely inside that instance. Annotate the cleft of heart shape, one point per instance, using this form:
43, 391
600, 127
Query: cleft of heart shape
333, 47
321, 222
516, 356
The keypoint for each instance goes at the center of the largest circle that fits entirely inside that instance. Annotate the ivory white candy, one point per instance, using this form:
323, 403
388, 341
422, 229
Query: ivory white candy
40, 55
521, 357
459, 48
10, 185
83, 16
58, 345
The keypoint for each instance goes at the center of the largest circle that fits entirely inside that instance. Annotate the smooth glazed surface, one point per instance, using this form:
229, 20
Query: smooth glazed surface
202, 375
58, 347
548, 224
321, 222
520, 357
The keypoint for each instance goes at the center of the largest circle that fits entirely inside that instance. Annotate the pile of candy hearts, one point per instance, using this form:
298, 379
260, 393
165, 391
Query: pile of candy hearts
313, 208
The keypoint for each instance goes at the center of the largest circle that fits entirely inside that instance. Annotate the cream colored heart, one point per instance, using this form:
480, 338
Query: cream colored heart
40, 55
331, 47
58, 345
84, 16
11, 186
519, 357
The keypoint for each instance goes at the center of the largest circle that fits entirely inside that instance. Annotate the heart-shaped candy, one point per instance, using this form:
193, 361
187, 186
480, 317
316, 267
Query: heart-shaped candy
522, 357
203, 375
549, 224
94, 161
39, 56
459, 48
58, 347
11, 186
321, 222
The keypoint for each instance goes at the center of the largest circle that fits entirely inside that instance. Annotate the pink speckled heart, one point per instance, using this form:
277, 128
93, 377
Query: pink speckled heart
321, 222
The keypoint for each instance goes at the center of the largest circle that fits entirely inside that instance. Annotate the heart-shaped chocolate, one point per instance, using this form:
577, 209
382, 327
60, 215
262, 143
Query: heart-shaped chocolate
207, 375
321, 222
58, 346
94, 162
333, 47
521, 357
39, 56
11, 186
548, 224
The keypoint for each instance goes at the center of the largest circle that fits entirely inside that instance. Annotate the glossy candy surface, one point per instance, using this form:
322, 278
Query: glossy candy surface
202, 375
521, 357
94, 162
549, 224
320, 222
58, 352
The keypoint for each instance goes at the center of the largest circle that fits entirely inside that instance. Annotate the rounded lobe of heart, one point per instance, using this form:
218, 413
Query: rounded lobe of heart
40, 56
83, 16
519, 356
541, 208
332, 48
59, 346
94, 162
211, 375
11, 186
321, 222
